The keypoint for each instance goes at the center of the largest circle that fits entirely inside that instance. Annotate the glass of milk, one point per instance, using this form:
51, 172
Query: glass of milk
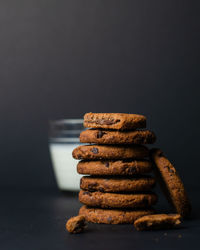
63, 138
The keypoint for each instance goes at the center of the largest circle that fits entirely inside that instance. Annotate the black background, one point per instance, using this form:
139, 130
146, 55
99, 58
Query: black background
61, 59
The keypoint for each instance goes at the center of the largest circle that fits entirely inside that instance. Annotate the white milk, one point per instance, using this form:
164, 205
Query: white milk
65, 166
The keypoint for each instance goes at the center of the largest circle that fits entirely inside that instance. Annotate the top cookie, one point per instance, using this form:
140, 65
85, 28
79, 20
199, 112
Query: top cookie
171, 183
117, 121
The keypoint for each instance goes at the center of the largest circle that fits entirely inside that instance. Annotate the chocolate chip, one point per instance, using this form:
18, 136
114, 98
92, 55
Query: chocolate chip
95, 150
100, 134
80, 224
171, 170
132, 170
109, 219
107, 164
87, 193
101, 189
103, 121
107, 122
91, 187
79, 156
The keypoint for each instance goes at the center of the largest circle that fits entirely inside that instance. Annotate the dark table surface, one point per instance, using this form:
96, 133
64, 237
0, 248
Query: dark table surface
35, 219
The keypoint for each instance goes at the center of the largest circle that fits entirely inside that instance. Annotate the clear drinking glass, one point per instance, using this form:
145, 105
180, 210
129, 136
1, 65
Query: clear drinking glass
63, 138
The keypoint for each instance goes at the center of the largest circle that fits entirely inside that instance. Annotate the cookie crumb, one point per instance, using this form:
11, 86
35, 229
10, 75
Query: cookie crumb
179, 236
157, 221
76, 224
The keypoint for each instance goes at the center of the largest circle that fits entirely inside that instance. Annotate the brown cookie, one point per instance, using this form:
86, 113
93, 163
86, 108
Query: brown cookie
117, 137
114, 167
117, 184
114, 121
171, 183
112, 216
157, 221
76, 224
112, 200
92, 152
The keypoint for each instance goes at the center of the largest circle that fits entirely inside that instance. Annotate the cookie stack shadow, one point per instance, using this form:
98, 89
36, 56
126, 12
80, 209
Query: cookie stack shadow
117, 187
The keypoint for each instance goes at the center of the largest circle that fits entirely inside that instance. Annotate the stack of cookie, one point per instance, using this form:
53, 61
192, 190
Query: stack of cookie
118, 189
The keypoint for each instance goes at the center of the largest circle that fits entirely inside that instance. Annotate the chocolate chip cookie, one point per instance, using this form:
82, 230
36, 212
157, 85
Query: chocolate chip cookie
92, 152
119, 167
117, 121
112, 216
113, 200
171, 183
117, 184
117, 137
157, 221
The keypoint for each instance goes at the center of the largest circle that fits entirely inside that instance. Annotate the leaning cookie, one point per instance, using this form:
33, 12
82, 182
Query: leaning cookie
117, 121
113, 216
157, 221
117, 137
171, 183
113, 200
117, 184
95, 152
118, 167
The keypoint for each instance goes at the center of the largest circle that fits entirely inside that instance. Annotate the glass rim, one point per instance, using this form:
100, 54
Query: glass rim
64, 140
67, 121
